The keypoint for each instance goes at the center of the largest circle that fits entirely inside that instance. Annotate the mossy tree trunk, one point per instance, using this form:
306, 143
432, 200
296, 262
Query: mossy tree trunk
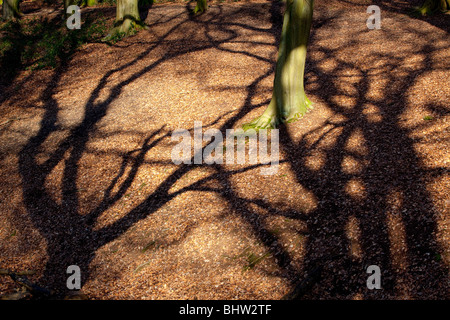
202, 6
10, 9
90, 3
289, 101
431, 6
127, 19
68, 3
87, 3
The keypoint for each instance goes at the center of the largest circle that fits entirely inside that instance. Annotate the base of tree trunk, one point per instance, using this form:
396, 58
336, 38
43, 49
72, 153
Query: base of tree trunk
10, 10
128, 20
272, 118
430, 7
125, 28
289, 101
201, 7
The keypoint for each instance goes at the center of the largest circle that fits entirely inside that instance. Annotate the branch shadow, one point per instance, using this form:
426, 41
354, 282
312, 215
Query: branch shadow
390, 165
78, 244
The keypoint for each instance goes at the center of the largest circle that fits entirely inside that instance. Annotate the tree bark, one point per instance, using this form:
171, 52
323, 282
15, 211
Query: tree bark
127, 19
10, 9
289, 101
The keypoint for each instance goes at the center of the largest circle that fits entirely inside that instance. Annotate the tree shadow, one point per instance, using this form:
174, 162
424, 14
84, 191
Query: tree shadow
78, 244
390, 165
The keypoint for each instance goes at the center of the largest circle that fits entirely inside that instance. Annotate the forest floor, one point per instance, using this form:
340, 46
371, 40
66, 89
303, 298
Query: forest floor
87, 178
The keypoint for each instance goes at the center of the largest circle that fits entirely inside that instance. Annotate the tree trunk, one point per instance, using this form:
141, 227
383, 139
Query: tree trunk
127, 19
289, 101
10, 9
90, 3
431, 6
87, 3
68, 3
84, 3
201, 6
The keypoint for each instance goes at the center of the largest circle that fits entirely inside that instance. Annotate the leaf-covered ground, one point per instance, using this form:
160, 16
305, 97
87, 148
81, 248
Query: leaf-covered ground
87, 177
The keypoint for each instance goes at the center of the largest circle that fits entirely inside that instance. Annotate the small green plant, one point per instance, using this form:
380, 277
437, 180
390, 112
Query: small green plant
12, 234
5, 45
253, 259
428, 118
143, 184
275, 231
114, 38
140, 267
149, 245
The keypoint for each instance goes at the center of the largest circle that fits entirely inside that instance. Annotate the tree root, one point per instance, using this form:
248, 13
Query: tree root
123, 29
269, 120
299, 113
263, 122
